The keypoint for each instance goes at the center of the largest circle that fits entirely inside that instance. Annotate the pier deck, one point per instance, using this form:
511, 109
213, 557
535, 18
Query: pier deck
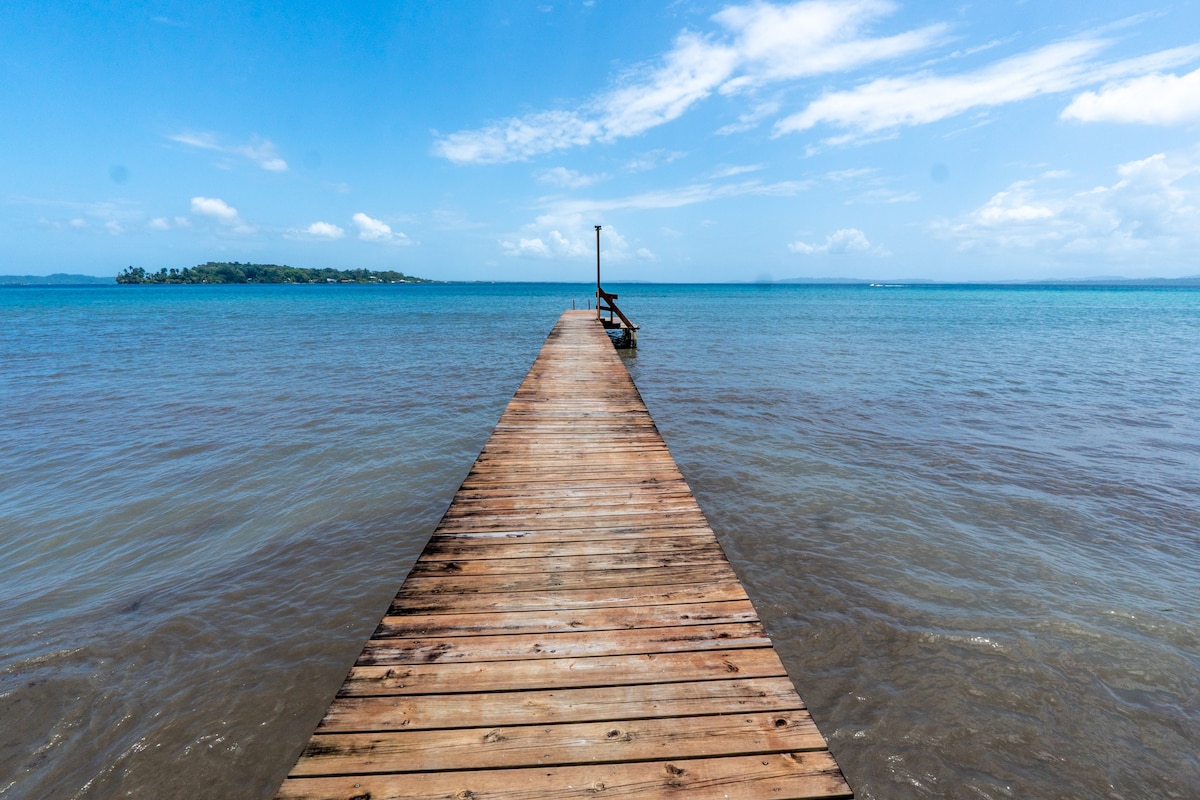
572, 629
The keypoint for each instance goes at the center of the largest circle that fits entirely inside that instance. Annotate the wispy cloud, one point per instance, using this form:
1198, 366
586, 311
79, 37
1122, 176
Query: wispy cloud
568, 178
653, 159
736, 169
800, 40
113, 216
756, 44
750, 120
565, 229
682, 196
260, 151
885, 105
883, 197
164, 224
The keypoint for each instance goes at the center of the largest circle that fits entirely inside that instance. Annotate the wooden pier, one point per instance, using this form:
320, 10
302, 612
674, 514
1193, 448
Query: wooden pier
573, 628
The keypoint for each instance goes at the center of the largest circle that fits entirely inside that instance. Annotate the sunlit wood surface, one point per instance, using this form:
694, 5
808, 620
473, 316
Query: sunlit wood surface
573, 628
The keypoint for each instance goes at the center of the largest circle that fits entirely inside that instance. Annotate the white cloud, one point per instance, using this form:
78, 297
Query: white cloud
260, 151
1014, 205
569, 178
846, 241
887, 104
814, 38
216, 208
759, 44
114, 227
526, 247
566, 235
923, 98
325, 230
374, 230
1152, 208
222, 212
1150, 99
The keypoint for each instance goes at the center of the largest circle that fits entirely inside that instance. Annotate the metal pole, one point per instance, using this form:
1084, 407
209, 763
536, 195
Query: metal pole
597, 272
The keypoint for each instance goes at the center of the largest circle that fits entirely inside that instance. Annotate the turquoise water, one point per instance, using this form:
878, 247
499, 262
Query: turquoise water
969, 516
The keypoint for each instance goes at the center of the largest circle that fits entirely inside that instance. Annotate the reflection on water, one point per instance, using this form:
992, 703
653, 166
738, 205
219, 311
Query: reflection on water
968, 517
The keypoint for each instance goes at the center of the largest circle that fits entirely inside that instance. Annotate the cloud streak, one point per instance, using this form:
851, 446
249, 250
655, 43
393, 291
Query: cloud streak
683, 196
887, 104
260, 151
566, 231
759, 44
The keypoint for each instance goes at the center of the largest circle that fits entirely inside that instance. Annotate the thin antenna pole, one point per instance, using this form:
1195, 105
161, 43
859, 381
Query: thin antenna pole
597, 272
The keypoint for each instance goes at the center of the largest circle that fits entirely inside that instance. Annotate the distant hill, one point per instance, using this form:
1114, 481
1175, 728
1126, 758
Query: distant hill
57, 279
1192, 280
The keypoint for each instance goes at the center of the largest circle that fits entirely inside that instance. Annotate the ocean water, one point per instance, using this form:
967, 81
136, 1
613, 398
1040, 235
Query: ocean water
969, 516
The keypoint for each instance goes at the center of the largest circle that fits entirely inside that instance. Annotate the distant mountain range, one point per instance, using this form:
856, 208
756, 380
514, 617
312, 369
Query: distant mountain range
57, 279
1193, 280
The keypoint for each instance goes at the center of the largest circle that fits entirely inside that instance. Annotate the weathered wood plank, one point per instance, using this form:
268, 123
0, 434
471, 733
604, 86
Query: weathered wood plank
582, 521
447, 649
625, 500
626, 532
444, 549
410, 602
559, 744
786, 776
563, 673
699, 555
427, 583
410, 713
560, 621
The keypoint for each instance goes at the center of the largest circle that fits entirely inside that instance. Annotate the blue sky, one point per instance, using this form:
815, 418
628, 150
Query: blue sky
713, 141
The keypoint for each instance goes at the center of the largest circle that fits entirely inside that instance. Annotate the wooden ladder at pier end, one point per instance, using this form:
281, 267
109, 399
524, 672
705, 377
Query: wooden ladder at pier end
572, 629
622, 332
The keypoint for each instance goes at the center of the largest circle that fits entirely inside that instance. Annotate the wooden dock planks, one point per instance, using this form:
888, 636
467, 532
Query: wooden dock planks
573, 628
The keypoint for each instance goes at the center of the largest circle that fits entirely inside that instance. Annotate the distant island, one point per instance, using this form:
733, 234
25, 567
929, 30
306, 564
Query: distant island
236, 272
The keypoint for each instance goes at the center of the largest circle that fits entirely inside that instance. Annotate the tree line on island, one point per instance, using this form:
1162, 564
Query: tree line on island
236, 272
